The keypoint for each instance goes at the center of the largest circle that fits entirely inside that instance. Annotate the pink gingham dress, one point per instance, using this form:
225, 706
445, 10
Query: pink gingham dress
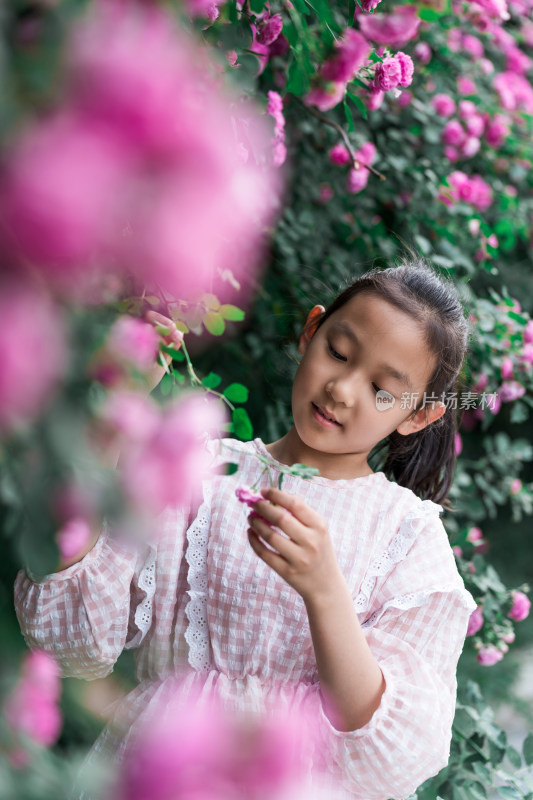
201, 606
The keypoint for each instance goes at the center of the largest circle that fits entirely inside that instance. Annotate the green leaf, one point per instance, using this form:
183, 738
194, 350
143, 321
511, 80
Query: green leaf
242, 426
375, 58
349, 117
214, 323
527, 749
359, 103
211, 381
181, 326
257, 6
236, 393
514, 757
165, 385
230, 468
510, 793
231, 313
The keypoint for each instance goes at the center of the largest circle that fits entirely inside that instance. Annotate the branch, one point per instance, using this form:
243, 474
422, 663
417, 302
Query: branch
340, 130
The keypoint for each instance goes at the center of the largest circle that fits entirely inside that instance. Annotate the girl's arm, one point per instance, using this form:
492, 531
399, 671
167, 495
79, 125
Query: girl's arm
351, 680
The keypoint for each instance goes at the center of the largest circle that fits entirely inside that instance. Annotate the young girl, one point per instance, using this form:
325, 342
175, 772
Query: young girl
338, 595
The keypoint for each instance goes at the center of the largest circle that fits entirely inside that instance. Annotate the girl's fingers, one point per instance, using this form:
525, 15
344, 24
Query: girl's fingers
287, 549
277, 562
282, 519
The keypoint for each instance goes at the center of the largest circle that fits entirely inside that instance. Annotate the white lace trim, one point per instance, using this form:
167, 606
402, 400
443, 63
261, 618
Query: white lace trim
144, 611
417, 599
397, 550
197, 633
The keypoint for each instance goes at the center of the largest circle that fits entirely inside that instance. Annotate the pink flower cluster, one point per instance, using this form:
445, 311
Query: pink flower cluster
31, 710
394, 71
108, 183
275, 109
269, 28
467, 189
393, 29
462, 137
351, 53
163, 453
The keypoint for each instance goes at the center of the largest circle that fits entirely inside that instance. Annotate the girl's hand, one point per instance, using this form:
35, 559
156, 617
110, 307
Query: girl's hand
173, 339
307, 559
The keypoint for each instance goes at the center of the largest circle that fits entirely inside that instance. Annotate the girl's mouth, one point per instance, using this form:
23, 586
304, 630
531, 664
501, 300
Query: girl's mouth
323, 418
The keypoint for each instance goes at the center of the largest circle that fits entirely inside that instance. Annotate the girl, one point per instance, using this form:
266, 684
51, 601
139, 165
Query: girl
338, 595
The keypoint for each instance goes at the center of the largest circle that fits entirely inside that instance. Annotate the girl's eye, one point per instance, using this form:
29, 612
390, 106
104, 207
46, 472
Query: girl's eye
335, 354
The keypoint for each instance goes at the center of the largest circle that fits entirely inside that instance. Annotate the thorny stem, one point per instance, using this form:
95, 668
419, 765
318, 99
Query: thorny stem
340, 130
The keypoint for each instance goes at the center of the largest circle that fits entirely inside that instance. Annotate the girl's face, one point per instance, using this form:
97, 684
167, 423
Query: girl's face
347, 393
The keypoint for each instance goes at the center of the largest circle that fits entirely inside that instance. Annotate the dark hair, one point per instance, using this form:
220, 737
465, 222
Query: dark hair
422, 461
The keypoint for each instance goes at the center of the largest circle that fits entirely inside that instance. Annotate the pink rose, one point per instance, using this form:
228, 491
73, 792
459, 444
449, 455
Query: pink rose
339, 155
474, 535
527, 353
528, 332
31, 709
481, 193
466, 109
475, 623
366, 153
269, 29
452, 153
520, 608
246, 495
407, 68
388, 74
488, 656
470, 147
516, 486
457, 551
475, 125
473, 46
375, 99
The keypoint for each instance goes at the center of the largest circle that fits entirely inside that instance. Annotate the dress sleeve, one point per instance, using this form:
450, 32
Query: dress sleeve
415, 626
87, 614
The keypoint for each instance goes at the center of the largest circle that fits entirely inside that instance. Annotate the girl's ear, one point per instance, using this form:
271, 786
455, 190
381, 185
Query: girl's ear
310, 327
421, 418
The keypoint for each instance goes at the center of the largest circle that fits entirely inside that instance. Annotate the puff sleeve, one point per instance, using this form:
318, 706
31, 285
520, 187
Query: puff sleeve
87, 614
415, 624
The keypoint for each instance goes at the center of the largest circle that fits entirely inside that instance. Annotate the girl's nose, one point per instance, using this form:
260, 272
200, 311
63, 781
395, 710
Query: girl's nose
342, 390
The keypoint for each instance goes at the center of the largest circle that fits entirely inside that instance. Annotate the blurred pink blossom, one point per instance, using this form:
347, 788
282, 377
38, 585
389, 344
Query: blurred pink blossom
167, 468
497, 130
393, 29
73, 537
470, 147
457, 551
474, 535
467, 109
515, 91
33, 352
516, 486
203, 8
453, 133
511, 390
357, 180
327, 96
466, 85
366, 154
475, 125
135, 341
339, 155
326, 193
31, 709
405, 99
509, 637
458, 443
351, 52
494, 8
475, 623
528, 332
488, 656
275, 109
131, 415
197, 749
422, 52
473, 46
527, 353
452, 153
517, 60
375, 99
521, 606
